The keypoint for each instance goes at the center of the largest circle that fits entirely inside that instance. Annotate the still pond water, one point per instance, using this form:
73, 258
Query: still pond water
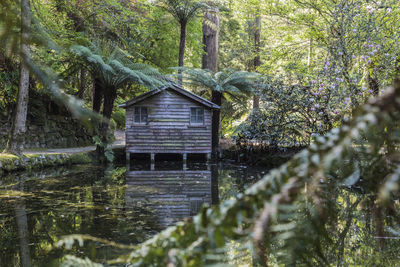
126, 206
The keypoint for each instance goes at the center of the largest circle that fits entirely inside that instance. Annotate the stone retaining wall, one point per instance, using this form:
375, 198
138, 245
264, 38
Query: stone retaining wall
54, 132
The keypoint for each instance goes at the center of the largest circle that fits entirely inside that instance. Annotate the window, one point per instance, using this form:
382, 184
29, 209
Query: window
196, 115
141, 114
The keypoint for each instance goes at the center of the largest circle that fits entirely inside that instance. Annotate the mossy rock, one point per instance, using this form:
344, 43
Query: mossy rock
80, 158
8, 162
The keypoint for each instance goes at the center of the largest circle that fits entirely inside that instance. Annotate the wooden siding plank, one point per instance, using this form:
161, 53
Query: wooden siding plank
168, 128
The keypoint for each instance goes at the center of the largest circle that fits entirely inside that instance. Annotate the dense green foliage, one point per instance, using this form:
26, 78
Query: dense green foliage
302, 212
333, 56
323, 58
321, 61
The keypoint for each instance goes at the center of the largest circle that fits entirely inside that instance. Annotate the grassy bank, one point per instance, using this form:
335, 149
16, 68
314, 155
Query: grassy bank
11, 163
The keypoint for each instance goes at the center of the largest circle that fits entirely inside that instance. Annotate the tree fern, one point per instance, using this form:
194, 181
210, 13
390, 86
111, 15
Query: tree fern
238, 82
115, 68
112, 68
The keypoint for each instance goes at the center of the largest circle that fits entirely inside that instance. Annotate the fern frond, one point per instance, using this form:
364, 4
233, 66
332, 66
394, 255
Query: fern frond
116, 68
235, 82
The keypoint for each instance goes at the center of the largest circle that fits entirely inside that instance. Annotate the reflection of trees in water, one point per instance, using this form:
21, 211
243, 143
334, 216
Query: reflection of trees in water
23, 233
354, 229
327, 225
366, 228
14, 239
235, 179
63, 203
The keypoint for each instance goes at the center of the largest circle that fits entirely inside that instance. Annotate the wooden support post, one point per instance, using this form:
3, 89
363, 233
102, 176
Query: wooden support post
184, 157
128, 160
152, 161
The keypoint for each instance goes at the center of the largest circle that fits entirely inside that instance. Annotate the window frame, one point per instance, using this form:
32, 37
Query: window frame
196, 115
140, 108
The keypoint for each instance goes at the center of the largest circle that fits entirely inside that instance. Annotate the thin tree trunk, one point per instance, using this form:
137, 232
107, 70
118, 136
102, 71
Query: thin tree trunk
257, 59
97, 95
216, 98
16, 139
181, 50
210, 61
82, 84
182, 44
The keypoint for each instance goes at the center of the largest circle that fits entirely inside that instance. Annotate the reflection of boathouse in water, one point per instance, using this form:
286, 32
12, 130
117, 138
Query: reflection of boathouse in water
172, 195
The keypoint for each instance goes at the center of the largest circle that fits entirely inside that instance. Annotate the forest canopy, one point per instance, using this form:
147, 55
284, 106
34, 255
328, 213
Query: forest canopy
319, 58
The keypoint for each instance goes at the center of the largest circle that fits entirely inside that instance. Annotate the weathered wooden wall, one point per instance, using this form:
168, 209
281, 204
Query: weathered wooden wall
168, 129
171, 195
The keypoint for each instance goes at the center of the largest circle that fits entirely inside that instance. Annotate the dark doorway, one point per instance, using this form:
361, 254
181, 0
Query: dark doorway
139, 161
168, 161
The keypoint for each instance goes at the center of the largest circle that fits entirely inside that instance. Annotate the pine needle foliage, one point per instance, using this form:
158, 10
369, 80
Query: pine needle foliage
302, 212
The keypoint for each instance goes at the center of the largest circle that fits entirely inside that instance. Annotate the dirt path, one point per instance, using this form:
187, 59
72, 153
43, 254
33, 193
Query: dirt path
118, 143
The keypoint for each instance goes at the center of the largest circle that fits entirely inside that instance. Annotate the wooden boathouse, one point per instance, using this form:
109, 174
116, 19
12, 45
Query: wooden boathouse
168, 120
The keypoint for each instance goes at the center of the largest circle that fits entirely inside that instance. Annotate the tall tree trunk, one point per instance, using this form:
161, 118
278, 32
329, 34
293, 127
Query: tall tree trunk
216, 98
210, 41
82, 84
210, 61
182, 43
97, 95
109, 98
257, 59
16, 138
